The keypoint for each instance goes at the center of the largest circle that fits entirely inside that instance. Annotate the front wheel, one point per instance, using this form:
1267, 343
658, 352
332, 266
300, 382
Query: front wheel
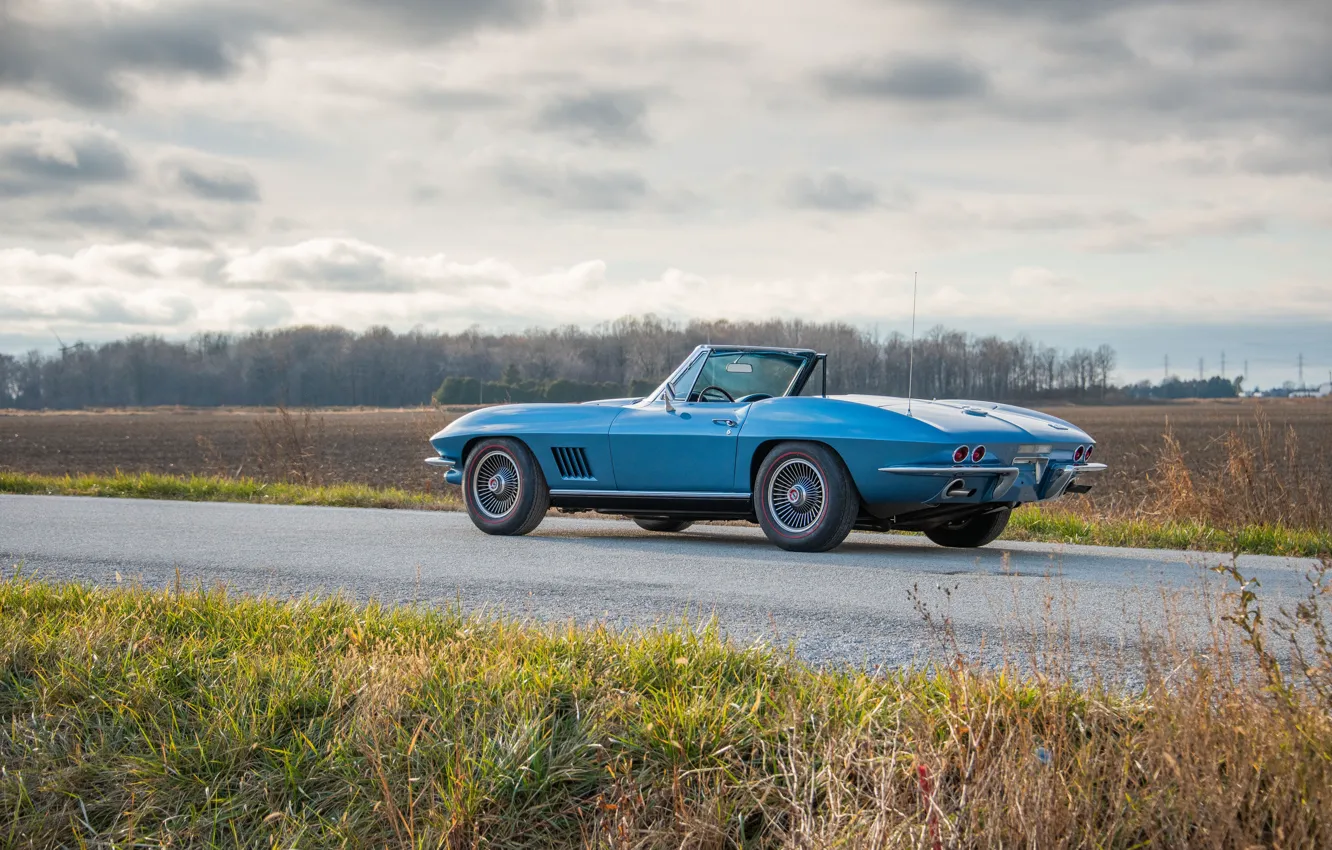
503, 488
661, 523
804, 497
970, 533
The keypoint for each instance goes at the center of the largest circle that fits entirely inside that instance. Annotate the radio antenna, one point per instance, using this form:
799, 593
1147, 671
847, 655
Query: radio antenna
911, 349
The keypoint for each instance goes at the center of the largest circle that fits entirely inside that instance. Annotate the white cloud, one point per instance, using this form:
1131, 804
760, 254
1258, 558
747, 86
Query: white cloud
166, 290
96, 306
522, 162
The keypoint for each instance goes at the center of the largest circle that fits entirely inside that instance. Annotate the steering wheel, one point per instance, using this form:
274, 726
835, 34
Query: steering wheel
703, 393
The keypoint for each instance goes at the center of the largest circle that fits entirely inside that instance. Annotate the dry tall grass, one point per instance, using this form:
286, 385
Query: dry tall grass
193, 719
1252, 476
290, 447
1263, 476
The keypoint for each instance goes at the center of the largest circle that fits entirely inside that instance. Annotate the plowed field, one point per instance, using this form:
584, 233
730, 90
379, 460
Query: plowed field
385, 447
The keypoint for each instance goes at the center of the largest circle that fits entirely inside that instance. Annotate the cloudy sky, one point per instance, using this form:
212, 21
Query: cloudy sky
1157, 175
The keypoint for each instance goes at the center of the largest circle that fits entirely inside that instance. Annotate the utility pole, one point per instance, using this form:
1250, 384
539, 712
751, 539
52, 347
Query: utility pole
1200, 368
1246, 371
1301, 362
1223, 364
1166, 373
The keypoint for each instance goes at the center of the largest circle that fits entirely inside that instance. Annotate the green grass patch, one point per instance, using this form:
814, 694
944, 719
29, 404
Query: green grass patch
133, 717
146, 485
1051, 525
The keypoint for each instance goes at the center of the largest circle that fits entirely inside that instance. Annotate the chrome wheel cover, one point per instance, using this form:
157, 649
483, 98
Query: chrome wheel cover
495, 484
796, 496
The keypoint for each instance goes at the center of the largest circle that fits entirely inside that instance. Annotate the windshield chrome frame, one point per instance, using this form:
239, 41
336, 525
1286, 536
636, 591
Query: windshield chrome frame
665, 386
796, 384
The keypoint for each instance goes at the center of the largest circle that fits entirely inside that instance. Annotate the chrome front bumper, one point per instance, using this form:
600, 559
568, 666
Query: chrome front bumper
452, 474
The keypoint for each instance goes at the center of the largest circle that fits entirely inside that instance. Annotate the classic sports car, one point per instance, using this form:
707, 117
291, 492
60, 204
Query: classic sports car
747, 433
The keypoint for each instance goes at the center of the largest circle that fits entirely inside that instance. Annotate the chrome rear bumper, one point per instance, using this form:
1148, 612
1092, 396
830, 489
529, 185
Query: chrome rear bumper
1008, 475
954, 471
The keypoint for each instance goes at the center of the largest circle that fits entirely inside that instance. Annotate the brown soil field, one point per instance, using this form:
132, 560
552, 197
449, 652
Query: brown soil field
1130, 439
386, 447
376, 447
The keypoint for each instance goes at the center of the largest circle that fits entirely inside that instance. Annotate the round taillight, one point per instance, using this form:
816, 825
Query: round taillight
977, 453
1087, 454
1077, 454
960, 454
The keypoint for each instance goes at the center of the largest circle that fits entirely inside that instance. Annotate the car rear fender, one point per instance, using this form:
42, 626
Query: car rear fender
864, 437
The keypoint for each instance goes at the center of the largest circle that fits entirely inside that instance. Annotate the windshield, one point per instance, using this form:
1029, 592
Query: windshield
736, 374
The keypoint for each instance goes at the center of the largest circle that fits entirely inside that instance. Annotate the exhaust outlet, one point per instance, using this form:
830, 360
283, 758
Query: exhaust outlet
957, 488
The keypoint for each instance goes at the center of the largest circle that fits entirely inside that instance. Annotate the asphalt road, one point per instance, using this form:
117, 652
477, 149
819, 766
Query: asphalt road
853, 605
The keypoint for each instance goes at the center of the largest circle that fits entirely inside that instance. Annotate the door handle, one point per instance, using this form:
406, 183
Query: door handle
729, 423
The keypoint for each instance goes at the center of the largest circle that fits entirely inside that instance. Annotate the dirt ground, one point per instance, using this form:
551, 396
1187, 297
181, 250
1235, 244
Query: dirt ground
379, 447
386, 447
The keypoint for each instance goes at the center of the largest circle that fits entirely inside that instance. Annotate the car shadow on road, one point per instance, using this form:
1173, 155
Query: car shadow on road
891, 552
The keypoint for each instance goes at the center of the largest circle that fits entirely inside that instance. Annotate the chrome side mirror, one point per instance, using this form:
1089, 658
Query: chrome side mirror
666, 397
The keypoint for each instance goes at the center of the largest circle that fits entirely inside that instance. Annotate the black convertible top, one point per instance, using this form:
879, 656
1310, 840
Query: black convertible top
806, 352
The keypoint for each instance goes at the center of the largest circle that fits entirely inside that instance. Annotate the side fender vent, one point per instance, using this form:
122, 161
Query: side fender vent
573, 464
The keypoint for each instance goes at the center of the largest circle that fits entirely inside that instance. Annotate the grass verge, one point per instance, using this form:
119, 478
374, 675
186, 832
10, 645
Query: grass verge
131, 717
1053, 526
1032, 523
146, 485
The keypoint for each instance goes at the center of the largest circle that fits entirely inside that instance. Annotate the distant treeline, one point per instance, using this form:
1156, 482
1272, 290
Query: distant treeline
1173, 387
512, 388
329, 366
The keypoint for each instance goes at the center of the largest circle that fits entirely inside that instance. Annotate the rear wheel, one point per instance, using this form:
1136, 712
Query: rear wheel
804, 497
970, 533
661, 523
503, 488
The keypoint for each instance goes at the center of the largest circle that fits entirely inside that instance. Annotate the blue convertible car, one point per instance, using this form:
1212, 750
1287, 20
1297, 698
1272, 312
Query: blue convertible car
747, 433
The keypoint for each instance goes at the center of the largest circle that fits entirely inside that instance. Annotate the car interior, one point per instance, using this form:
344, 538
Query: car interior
740, 376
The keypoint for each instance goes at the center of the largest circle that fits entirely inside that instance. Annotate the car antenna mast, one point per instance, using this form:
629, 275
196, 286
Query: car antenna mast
911, 348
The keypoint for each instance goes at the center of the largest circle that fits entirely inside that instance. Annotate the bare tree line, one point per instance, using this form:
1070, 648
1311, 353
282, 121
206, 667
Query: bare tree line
331, 366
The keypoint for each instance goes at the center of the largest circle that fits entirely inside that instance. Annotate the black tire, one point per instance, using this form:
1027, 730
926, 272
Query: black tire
813, 519
970, 533
661, 523
522, 498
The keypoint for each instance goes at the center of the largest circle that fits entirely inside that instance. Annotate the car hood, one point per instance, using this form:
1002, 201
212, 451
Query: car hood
965, 417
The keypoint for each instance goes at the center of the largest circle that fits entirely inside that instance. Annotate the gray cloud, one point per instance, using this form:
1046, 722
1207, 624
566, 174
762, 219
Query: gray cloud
573, 188
91, 60
601, 117
1169, 231
918, 78
832, 191
446, 99
334, 267
1284, 159
1064, 11
87, 61
45, 157
214, 181
133, 221
422, 21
